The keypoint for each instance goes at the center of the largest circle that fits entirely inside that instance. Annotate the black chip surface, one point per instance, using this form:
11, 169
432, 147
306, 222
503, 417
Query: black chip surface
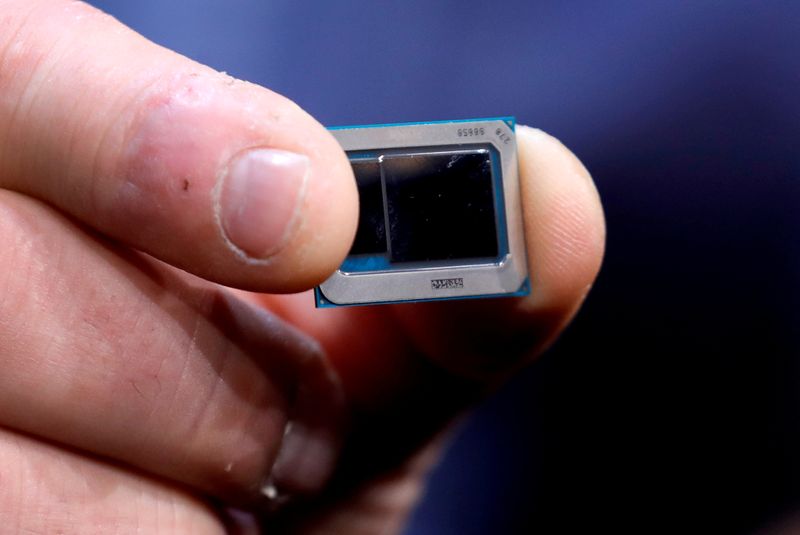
440, 206
371, 233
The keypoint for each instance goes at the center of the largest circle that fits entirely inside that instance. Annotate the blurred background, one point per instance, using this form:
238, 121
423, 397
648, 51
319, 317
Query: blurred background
672, 404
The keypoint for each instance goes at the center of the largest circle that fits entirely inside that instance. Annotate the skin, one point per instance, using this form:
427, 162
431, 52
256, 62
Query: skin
142, 393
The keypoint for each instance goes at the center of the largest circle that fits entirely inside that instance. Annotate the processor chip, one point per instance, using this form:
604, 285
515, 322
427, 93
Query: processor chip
440, 214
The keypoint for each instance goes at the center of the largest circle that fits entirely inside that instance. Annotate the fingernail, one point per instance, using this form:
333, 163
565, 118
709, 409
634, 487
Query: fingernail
260, 198
313, 437
306, 459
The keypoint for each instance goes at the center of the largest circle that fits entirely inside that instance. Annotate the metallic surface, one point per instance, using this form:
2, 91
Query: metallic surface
507, 276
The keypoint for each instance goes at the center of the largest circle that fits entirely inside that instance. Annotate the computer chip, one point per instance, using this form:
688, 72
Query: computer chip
440, 214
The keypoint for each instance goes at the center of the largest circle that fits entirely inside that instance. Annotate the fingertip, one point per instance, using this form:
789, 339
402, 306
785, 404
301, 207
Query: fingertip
564, 221
298, 229
327, 220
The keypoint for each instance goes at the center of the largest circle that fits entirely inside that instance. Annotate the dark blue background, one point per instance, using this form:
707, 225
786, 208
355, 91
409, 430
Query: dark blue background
673, 402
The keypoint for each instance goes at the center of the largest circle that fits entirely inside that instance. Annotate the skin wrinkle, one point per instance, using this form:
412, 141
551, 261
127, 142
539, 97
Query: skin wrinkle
12, 256
576, 236
284, 340
179, 387
74, 141
107, 139
42, 74
198, 418
139, 511
566, 246
19, 224
4, 66
119, 323
139, 379
21, 485
256, 401
311, 378
188, 354
168, 524
572, 223
156, 375
132, 359
217, 373
165, 302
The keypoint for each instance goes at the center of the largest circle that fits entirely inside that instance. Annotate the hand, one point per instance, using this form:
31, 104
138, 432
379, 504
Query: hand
137, 393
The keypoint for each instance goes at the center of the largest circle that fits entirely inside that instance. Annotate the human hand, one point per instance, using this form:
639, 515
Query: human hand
136, 393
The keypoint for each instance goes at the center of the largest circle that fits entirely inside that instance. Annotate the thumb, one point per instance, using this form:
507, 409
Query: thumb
216, 176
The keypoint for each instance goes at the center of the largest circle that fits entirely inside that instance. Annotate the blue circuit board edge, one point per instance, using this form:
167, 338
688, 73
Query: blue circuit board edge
322, 302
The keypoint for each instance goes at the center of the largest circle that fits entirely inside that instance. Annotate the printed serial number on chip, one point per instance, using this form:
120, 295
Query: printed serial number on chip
447, 284
471, 132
